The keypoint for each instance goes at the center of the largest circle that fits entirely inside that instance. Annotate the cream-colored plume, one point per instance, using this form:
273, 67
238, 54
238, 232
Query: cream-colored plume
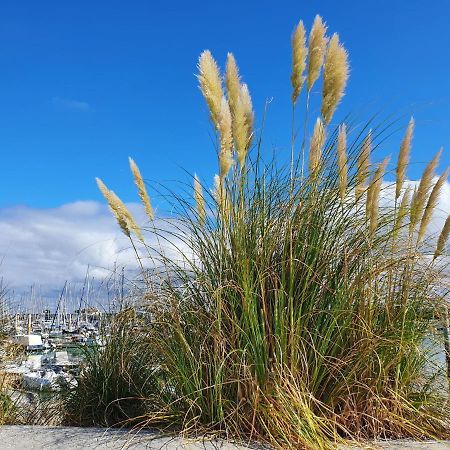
373, 196
342, 160
402, 212
233, 82
142, 191
211, 85
316, 50
217, 189
363, 166
242, 124
315, 147
299, 54
245, 98
241, 109
226, 139
120, 211
403, 158
443, 238
431, 204
199, 200
421, 195
335, 76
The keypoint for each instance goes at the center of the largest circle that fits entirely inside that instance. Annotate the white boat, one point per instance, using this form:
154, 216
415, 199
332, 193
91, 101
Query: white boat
29, 341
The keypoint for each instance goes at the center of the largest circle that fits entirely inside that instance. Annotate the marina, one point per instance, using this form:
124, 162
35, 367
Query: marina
42, 349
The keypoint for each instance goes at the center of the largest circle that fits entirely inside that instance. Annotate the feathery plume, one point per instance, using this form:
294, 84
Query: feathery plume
299, 53
112, 206
373, 196
121, 220
132, 225
103, 189
217, 188
240, 132
363, 166
242, 124
226, 139
403, 158
232, 81
316, 51
431, 204
241, 109
315, 147
420, 198
142, 191
335, 75
246, 99
342, 160
443, 238
199, 200
210, 85
120, 211
402, 212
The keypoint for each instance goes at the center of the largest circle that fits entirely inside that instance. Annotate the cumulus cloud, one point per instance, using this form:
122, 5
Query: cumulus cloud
49, 246
67, 104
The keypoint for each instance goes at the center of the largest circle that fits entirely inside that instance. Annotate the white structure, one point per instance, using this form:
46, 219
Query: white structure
29, 341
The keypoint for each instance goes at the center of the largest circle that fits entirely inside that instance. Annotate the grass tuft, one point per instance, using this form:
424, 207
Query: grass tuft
299, 315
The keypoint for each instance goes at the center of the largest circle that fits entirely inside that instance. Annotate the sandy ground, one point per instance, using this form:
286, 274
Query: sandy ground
60, 438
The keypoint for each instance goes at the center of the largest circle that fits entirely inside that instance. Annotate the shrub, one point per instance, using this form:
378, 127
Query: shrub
299, 311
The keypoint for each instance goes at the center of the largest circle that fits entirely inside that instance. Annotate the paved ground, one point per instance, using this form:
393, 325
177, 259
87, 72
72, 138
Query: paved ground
59, 438
68, 438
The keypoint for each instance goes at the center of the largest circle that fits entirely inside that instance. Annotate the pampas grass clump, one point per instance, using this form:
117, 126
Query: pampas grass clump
299, 315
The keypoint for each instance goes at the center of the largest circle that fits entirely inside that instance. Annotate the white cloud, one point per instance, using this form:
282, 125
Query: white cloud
70, 104
48, 246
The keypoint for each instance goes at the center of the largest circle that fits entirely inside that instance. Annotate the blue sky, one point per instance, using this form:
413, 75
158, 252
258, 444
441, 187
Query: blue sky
85, 84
